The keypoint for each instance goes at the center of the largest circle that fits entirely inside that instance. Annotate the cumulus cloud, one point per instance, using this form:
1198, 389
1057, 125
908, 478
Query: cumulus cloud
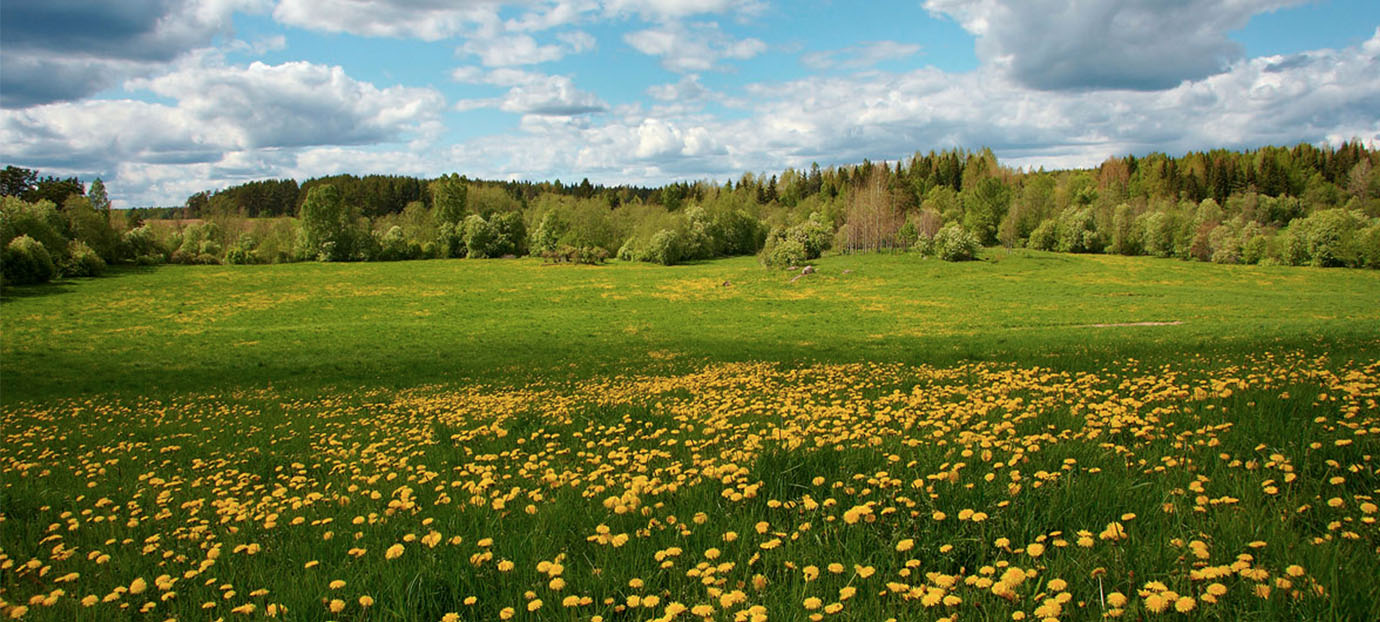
663, 10
63, 50
694, 47
1113, 44
688, 89
218, 109
529, 93
522, 49
1324, 96
860, 56
429, 20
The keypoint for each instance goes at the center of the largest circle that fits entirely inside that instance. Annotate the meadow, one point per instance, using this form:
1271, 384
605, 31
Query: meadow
1032, 436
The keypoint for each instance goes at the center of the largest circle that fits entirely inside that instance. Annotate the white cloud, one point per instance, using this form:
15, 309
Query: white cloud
860, 56
1321, 96
218, 110
529, 93
428, 20
64, 50
663, 10
696, 47
688, 89
522, 49
1091, 44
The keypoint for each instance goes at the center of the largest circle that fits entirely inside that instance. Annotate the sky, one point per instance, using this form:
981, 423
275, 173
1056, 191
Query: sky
165, 98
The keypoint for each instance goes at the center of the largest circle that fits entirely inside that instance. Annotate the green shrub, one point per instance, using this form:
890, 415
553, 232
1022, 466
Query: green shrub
629, 251
664, 248
332, 229
394, 246
1045, 237
954, 243
1328, 236
481, 239
1076, 232
1225, 242
143, 246
784, 252
26, 262
82, 260
811, 238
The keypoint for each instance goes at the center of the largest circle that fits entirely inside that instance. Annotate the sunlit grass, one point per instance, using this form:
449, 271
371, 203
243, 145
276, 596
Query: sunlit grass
504, 440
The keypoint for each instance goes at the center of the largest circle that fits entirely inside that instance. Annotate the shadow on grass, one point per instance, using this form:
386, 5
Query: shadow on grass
11, 293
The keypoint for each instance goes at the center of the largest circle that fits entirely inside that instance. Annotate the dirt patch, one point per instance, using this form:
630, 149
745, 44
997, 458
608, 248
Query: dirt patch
1125, 324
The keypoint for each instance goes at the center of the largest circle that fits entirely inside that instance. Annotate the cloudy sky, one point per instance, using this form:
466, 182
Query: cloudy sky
163, 98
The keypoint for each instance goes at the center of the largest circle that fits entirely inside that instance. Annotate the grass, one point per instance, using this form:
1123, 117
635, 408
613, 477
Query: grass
909, 439
401, 324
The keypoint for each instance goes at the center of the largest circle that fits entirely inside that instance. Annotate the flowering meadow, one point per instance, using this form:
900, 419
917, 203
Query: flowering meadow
1190, 489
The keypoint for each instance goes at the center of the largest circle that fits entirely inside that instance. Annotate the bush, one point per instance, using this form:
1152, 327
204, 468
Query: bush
1045, 237
1076, 232
629, 251
809, 240
394, 246
784, 252
664, 248
1157, 233
26, 262
141, 244
1225, 243
1368, 247
481, 239
1328, 237
954, 243
82, 260
924, 245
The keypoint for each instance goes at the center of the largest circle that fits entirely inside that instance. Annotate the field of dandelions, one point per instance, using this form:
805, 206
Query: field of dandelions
1192, 487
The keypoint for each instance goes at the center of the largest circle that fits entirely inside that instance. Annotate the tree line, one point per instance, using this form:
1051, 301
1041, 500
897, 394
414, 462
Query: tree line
1301, 205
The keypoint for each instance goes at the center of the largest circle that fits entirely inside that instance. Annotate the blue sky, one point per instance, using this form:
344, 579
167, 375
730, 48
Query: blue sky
163, 98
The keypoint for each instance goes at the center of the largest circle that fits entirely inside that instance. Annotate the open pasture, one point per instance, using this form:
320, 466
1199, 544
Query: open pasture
465, 440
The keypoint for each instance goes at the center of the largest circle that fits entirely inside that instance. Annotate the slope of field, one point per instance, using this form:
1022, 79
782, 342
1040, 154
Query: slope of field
1030, 437
182, 328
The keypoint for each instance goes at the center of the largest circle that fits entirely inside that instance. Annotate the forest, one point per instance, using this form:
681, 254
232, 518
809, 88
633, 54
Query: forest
1300, 205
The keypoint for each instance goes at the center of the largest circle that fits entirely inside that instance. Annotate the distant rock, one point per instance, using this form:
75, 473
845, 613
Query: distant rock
807, 270
848, 272
797, 278
793, 268
727, 284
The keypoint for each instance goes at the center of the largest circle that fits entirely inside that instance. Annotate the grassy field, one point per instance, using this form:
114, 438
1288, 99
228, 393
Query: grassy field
397, 325
1031, 436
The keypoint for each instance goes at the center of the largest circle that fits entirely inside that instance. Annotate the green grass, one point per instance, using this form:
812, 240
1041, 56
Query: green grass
157, 414
394, 325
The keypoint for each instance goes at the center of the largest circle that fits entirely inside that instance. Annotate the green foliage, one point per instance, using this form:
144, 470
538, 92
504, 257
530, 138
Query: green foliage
1328, 237
784, 252
1125, 238
808, 240
81, 260
40, 221
984, 207
665, 248
143, 246
1045, 237
392, 245
91, 225
449, 199
1368, 246
907, 235
956, 243
331, 228
1076, 232
198, 243
481, 238
26, 262
510, 234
